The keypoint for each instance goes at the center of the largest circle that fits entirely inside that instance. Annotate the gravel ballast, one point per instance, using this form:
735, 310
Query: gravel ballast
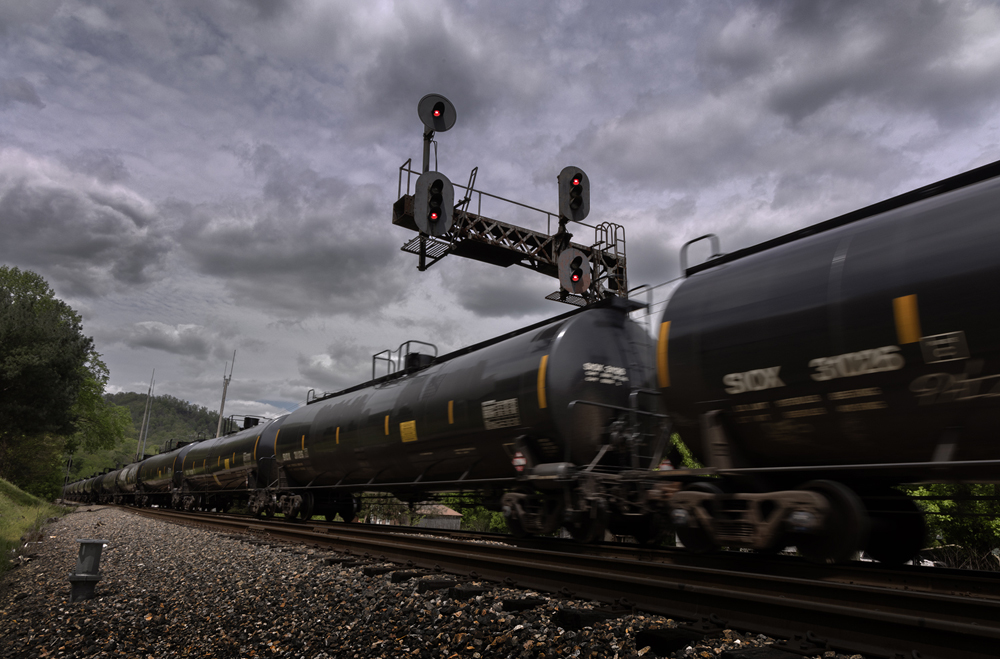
175, 591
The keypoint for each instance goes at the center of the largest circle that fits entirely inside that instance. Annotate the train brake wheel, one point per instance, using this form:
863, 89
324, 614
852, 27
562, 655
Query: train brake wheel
898, 529
845, 530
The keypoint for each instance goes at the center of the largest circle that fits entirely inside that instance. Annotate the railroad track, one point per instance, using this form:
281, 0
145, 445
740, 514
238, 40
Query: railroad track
921, 612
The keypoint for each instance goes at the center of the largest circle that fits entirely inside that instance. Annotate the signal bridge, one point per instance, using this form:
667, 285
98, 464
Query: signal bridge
586, 273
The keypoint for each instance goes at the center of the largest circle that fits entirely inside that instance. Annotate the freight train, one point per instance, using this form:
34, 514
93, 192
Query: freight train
809, 374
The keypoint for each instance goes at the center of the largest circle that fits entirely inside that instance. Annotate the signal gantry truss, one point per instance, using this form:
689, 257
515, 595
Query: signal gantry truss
484, 239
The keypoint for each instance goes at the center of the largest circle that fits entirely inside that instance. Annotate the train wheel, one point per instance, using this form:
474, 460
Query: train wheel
845, 530
306, 510
346, 507
693, 536
255, 505
898, 529
593, 524
651, 532
516, 528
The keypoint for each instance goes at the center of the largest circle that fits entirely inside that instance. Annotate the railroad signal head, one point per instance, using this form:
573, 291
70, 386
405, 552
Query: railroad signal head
436, 112
433, 204
574, 270
574, 194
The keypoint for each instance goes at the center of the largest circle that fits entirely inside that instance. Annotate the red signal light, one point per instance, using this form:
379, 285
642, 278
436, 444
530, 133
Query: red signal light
437, 113
434, 216
576, 181
576, 277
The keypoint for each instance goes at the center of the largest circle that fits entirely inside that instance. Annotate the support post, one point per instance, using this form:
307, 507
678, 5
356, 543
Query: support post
84, 579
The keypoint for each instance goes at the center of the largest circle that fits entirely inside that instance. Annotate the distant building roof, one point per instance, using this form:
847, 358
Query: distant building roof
436, 510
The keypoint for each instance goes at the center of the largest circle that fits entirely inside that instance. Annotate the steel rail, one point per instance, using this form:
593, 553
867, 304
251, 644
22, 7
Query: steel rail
945, 581
873, 620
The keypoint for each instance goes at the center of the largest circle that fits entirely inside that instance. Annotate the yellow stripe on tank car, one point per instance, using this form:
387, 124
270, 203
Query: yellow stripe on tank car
386, 425
542, 366
255, 448
907, 319
276, 442
451, 412
338, 434
303, 442
662, 366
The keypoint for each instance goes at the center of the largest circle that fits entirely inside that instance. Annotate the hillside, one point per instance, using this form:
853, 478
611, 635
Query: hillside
21, 515
171, 419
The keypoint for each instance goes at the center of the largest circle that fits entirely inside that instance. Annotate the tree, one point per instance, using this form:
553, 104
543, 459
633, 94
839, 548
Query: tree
43, 353
51, 381
99, 424
963, 517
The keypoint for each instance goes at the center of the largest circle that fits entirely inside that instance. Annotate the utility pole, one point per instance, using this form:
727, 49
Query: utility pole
225, 386
145, 430
145, 414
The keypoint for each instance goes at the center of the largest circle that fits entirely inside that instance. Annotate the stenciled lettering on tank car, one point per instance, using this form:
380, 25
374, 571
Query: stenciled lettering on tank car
853, 364
756, 380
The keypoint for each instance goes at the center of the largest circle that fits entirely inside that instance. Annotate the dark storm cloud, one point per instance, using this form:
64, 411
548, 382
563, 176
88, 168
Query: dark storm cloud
803, 86
267, 9
185, 340
490, 292
184, 62
311, 245
651, 259
106, 165
742, 118
87, 236
18, 90
427, 56
343, 365
912, 56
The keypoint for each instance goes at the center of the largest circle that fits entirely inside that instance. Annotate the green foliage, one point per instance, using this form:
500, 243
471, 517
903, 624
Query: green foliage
100, 424
86, 464
21, 515
963, 514
43, 358
40, 465
51, 386
383, 507
476, 517
688, 461
170, 418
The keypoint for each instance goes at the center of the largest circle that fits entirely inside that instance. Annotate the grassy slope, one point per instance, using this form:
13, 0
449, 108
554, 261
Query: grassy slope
20, 514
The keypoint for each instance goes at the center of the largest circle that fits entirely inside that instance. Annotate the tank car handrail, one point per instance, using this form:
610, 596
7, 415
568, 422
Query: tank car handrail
716, 250
377, 357
406, 344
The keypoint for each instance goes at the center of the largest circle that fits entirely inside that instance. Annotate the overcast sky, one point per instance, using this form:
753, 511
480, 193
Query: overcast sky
202, 177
